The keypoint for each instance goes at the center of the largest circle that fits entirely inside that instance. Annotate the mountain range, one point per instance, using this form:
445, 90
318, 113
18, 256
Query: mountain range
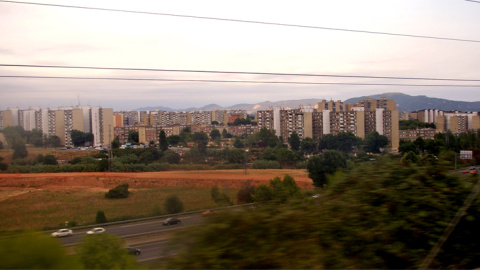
404, 103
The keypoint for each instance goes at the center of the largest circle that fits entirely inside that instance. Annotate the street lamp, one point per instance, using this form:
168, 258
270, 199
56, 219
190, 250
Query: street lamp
245, 161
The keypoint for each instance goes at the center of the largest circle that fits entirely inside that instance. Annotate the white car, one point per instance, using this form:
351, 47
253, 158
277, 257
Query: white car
96, 231
62, 233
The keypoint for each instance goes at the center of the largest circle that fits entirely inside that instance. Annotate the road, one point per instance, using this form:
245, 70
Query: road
150, 236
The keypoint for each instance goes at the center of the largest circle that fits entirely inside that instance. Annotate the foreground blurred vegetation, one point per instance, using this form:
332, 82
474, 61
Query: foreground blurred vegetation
385, 214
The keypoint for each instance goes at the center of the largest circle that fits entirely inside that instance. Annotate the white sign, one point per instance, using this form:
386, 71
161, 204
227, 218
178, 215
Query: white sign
466, 154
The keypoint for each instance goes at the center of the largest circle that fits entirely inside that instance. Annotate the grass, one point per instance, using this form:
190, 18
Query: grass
44, 209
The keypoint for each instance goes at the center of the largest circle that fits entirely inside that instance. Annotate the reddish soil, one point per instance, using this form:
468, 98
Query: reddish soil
223, 178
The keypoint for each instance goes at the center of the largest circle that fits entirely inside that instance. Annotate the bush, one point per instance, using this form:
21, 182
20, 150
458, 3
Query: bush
173, 205
119, 192
266, 164
100, 218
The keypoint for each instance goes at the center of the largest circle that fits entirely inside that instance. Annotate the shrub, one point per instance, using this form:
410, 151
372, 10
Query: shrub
100, 218
119, 192
173, 205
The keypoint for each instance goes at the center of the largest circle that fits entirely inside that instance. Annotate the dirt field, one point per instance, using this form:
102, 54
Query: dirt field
17, 184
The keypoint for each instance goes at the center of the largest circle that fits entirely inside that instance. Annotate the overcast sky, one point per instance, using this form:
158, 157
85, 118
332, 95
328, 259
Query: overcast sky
47, 35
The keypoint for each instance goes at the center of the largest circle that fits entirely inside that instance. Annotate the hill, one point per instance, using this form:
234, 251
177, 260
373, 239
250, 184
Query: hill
404, 103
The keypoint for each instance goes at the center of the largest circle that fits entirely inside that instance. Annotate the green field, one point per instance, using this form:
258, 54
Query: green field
45, 209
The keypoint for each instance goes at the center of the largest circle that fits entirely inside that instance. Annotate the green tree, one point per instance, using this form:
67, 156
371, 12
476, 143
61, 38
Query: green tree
320, 166
171, 157
1, 145
294, 141
215, 135
237, 143
173, 205
35, 137
133, 136
34, 251
3, 166
13, 134
407, 146
174, 139
19, 150
219, 197
115, 143
118, 192
105, 251
100, 218
163, 142
245, 194
308, 146
374, 142
81, 138
201, 139
50, 160
53, 141
278, 191
286, 157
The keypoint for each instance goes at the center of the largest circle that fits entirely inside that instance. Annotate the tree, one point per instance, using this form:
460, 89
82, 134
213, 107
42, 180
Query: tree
19, 150
34, 251
118, 192
115, 143
407, 146
13, 134
215, 135
343, 141
278, 191
245, 194
53, 141
320, 166
237, 143
35, 137
294, 141
374, 141
286, 156
105, 251
50, 160
219, 197
3, 166
308, 145
1, 145
171, 157
234, 155
100, 218
201, 139
80, 138
173, 139
173, 205
133, 136
163, 143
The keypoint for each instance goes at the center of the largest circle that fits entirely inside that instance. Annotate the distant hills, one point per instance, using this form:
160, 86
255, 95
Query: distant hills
404, 103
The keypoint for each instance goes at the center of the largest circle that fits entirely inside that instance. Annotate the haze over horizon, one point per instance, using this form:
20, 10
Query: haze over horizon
166, 39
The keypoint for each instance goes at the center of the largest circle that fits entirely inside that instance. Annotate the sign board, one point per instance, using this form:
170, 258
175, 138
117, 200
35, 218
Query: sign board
466, 154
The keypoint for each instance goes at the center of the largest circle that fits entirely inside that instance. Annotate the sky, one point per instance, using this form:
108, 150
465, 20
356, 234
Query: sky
60, 36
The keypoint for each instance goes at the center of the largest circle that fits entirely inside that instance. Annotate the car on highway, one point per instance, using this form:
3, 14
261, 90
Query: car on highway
209, 213
171, 221
62, 233
133, 250
96, 231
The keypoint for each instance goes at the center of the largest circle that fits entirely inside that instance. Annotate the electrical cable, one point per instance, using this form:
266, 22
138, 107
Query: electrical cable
233, 81
248, 21
243, 73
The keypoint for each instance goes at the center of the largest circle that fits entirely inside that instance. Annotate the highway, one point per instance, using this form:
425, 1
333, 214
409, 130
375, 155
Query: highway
150, 236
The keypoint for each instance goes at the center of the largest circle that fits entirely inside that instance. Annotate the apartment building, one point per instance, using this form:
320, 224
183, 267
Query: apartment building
413, 134
333, 117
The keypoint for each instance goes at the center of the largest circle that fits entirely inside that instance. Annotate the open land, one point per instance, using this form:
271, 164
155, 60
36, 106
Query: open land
48, 200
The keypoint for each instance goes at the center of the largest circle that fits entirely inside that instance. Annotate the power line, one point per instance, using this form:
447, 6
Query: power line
243, 73
473, 1
233, 81
248, 21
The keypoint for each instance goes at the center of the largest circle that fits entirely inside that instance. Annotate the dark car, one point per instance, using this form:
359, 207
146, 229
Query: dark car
172, 221
133, 251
